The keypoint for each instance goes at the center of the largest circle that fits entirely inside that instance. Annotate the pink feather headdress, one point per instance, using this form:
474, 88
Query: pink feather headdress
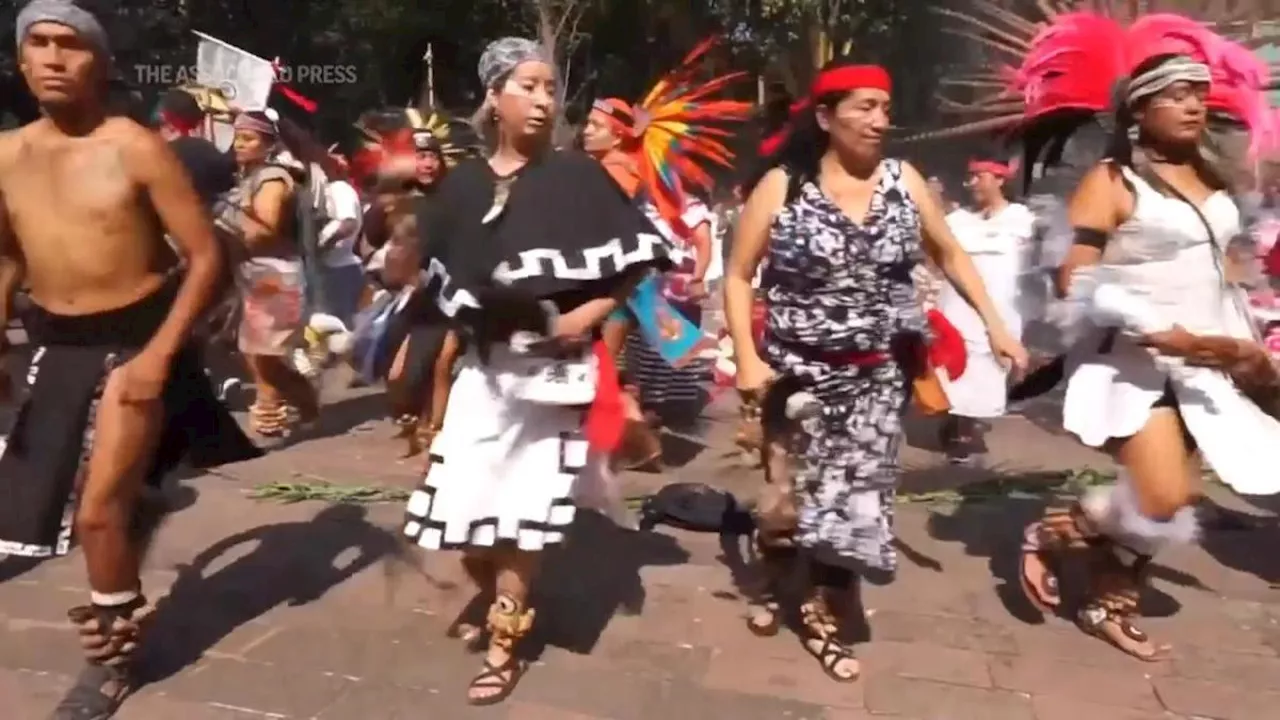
1066, 64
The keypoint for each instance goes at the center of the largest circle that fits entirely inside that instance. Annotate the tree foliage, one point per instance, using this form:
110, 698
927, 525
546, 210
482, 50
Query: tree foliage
603, 47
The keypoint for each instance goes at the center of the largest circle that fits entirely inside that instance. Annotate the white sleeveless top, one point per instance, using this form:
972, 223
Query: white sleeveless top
1164, 255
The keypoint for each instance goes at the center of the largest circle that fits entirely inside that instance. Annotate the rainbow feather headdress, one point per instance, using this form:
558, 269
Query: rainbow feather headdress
678, 129
1052, 72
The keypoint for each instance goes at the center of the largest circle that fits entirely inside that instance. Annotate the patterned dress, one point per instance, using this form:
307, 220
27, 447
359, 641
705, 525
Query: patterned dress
838, 293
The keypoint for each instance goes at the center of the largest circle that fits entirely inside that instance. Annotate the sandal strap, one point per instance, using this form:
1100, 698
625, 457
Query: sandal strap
489, 671
1061, 529
1093, 616
833, 651
817, 618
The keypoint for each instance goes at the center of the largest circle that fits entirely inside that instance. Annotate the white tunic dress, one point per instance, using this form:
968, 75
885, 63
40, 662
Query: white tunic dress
998, 246
1163, 256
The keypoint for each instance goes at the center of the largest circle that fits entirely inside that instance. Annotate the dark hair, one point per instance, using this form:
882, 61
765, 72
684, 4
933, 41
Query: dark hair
182, 106
990, 153
805, 142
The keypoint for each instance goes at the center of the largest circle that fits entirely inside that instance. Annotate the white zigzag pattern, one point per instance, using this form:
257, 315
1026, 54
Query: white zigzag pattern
533, 262
450, 299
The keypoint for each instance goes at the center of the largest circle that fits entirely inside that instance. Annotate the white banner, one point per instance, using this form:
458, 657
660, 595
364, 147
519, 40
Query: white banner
242, 77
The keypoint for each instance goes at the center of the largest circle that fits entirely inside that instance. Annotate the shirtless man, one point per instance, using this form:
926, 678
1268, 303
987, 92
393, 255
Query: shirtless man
86, 199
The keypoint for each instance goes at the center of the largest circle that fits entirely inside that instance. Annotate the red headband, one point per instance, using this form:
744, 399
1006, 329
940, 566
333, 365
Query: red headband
1000, 170
843, 79
618, 112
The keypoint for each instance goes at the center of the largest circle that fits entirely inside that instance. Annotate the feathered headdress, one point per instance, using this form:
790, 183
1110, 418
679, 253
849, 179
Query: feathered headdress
392, 138
454, 139
677, 130
1055, 71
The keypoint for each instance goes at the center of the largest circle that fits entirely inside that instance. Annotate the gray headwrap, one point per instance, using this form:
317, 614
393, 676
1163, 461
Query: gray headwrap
67, 13
1174, 70
503, 55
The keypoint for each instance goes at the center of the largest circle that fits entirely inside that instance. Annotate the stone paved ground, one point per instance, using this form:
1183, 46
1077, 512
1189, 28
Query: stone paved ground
297, 611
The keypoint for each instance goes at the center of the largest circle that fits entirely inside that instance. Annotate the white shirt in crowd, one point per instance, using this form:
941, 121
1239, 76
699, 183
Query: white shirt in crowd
1000, 248
342, 202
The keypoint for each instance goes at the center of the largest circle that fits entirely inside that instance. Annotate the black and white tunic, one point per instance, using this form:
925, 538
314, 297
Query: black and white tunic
560, 231
842, 314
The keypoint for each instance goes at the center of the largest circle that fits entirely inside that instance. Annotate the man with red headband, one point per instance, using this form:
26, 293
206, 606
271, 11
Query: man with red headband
657, 151
996, 233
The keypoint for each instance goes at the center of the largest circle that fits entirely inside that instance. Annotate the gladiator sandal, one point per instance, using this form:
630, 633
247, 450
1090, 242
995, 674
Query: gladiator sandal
269, 420
1117, 575
1045, 541
509, 620
110, 638
776, 557
822, 639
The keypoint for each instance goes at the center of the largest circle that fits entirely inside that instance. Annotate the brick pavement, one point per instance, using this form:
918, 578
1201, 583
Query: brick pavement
296, 611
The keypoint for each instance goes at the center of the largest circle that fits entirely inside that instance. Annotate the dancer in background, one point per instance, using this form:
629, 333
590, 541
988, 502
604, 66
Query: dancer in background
533, 249
996, 234
840, 227
116, 395
1162, 340
342, 271
415, 350
659, 151
261, 215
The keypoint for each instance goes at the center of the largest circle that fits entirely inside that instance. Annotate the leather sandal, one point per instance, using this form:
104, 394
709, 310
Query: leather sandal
500, 678
820, 628
1044, 541
508, 621
1117, 575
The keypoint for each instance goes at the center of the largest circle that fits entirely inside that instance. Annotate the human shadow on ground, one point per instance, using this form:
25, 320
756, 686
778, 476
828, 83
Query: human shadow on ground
293, 562
989, 519
589, 578
1246, 543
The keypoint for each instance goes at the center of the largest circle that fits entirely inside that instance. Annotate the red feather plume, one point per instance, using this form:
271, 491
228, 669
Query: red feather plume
393, 154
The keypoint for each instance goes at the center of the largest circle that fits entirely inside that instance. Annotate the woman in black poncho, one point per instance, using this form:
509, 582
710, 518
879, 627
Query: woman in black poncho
531, 251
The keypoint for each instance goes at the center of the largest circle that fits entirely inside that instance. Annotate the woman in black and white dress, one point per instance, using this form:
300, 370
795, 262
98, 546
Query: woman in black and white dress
840, 228
533, 249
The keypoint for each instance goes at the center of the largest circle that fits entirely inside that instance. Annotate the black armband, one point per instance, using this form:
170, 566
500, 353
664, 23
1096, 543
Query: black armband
1090, 237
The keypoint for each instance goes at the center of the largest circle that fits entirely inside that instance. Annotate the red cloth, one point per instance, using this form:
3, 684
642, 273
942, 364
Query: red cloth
1272, 261
607, 417
947, 349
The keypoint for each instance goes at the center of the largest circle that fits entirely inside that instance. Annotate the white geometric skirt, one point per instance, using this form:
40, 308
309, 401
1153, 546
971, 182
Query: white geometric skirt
502, 468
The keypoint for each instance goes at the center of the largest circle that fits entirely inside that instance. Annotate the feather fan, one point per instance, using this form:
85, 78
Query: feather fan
680, 130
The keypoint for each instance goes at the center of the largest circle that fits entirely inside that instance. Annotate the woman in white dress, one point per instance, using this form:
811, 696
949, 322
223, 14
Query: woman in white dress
1152, 377
532, 249
996, 234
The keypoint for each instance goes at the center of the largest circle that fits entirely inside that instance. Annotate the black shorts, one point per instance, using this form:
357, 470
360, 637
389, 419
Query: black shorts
50, 440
